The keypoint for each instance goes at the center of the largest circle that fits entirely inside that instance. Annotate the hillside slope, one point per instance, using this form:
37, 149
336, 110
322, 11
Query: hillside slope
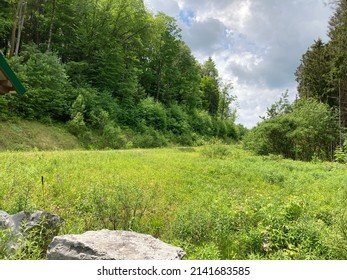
28, 135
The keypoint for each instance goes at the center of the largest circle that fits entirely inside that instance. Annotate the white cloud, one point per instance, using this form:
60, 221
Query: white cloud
205, 37
257, 44
169, 7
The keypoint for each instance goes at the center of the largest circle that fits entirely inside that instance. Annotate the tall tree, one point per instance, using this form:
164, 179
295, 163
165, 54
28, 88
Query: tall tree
225, 101
338, 49
17, 26
210, 95
313, 74
49, 43
210, 87
6, 19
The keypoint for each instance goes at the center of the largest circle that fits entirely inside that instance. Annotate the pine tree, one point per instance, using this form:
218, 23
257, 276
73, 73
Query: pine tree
312, 74
338, 50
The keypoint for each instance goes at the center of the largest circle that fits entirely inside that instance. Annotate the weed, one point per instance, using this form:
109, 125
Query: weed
240, 207
217, 151
29, 243
340, 155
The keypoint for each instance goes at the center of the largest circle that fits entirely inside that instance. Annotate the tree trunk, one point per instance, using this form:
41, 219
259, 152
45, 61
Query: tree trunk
21, 18
14, 29
51, 26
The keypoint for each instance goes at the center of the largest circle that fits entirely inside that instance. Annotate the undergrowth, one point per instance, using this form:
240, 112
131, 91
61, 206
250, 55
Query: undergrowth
216, 202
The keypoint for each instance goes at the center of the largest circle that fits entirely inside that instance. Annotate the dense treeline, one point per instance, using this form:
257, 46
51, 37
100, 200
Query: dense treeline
322, 74
115, 73
315, 125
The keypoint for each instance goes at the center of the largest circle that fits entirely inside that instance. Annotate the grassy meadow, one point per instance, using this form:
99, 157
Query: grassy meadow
216, 202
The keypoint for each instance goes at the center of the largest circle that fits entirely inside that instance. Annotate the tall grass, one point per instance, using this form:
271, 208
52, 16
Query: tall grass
215, 202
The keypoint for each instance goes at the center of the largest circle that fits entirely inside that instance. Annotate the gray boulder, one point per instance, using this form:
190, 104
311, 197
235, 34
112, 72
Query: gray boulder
23, 225
23, 222
111, 245
3, 219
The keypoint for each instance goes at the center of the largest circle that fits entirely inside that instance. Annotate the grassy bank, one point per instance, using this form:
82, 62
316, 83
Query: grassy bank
28, 135
216, 202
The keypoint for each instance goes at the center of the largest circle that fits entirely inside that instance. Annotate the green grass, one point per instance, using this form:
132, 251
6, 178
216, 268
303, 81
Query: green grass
28, 135
216, 202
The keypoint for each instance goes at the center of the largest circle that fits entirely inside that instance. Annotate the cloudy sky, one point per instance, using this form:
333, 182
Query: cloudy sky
256, 44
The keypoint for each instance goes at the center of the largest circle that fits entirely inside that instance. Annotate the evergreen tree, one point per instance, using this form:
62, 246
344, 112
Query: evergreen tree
313, 74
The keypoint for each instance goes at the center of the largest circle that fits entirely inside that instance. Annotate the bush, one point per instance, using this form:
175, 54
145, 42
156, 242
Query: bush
297, 134
77, 126
217, 150
113, 136
340, 156
201, 122
47, 83
150, 138
122, 207
153, 114
177, 120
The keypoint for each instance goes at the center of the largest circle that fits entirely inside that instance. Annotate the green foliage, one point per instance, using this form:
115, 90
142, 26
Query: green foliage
217, 150
297, 134
46, 80
153, 114
28, 245
77, 126
122, 207
210, 95
94, 66
322, 72
178, 120
238, 207
5, 21
201, 122
113, 136
280, 107
340, 155
150, 138
313, 74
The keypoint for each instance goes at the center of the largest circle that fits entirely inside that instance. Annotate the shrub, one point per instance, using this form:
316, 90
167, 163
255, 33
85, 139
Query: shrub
47, 83
217, 150
113, 136
340, 156
153, 113
201, 122
77, 126
297, 134
122, 207
150, 138
177, 120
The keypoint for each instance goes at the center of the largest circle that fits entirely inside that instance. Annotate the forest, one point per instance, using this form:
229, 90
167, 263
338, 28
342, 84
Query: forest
107, 78
115, 74
118, 76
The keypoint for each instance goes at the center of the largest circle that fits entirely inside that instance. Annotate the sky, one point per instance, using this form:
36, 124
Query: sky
256, 44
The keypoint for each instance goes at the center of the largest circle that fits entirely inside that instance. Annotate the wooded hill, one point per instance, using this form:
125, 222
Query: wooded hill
114, 72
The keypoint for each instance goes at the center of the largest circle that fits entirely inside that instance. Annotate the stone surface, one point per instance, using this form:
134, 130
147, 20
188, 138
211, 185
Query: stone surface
111, 245
23, 222
3, 219
19, 225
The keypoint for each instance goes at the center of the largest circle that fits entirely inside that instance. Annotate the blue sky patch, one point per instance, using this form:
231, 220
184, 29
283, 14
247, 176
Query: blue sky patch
186, 16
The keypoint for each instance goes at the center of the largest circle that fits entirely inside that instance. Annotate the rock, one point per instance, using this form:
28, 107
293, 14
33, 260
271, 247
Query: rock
3, 219
111, 245
22, 224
